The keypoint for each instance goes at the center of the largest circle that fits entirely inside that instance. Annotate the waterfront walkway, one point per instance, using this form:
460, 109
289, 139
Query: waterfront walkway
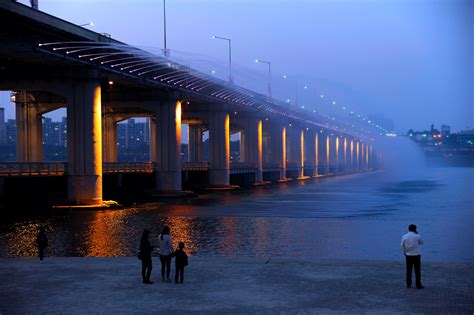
232, 285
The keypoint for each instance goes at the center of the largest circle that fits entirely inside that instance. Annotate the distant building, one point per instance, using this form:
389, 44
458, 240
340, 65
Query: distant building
132, 134
10, 131
465, 138
3, 131
445, 130
55, 132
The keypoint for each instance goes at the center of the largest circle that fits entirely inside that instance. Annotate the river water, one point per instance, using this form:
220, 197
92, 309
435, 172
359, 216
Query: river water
358, 216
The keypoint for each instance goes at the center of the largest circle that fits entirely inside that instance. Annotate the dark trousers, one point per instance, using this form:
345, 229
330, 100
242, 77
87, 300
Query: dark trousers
416, 262
165, 265
179, 273
41, 252
147, 266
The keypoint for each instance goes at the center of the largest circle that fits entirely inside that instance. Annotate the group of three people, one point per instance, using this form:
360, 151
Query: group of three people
166, 251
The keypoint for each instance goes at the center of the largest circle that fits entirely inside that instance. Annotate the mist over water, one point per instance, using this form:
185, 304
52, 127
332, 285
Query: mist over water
402, 158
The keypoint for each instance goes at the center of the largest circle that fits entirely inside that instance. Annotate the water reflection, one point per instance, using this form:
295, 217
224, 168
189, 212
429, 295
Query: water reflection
350, 217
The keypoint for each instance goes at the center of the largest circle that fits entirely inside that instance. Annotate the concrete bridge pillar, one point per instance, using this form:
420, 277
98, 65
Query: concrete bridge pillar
322, 170
266, 146
301, 149
367, 156
345, 166
278, 148
310, 153
371, 157
300, 152
153, 141
337, 149
351, 158
242, 152
316, 153
362, 156
328, 155
168, 146
194, 143
294, 148
219, 149
84, 143
29, 138
254, 145
109, 127
358, 155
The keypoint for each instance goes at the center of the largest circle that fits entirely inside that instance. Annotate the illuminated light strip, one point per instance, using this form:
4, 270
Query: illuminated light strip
139, 61
152, 70
76, 47
79, 50
205, 86
121, 59
219, 91
130, 66
165, 74
188, 80
222, 92
194, 82
177, 81
103, 55
175, 75
232, 94
146, 67
239, 99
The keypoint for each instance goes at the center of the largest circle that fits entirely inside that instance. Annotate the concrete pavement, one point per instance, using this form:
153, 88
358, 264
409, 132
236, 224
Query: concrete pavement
233, 285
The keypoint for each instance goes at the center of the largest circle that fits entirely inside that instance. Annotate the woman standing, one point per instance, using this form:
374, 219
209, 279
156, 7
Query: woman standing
166, 249
145, 255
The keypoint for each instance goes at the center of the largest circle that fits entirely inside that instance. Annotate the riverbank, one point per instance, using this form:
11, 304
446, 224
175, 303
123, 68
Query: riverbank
232, 285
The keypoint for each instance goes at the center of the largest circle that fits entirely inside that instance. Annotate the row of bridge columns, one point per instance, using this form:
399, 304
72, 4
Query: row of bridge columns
92, 139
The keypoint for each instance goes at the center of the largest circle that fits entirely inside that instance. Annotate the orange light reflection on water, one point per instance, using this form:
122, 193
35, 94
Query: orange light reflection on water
105, 232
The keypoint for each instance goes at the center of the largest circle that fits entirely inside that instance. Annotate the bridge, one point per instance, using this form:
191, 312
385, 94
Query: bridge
52, 63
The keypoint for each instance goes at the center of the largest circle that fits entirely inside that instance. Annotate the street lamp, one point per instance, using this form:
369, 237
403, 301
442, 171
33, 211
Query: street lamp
87, 24
269, 75
166, 51
230, 55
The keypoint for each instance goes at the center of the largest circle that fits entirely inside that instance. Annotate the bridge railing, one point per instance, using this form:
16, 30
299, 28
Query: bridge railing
60, 168
292, 166
127, 167
195, 166
242, 167
32, 168
269, 167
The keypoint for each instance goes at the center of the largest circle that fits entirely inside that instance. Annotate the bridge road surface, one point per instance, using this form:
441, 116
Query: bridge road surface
233, 285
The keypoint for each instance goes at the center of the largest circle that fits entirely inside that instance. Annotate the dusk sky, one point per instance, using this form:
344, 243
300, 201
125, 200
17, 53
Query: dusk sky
408, 60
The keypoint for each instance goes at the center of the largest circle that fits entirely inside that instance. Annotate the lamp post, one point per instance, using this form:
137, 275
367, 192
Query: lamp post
165, 51
230, 55
269, 75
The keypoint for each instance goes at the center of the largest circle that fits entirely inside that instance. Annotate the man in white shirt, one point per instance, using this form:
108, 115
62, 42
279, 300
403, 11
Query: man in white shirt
410, 247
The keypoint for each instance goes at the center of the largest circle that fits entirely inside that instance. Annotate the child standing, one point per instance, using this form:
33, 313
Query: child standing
180, 262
